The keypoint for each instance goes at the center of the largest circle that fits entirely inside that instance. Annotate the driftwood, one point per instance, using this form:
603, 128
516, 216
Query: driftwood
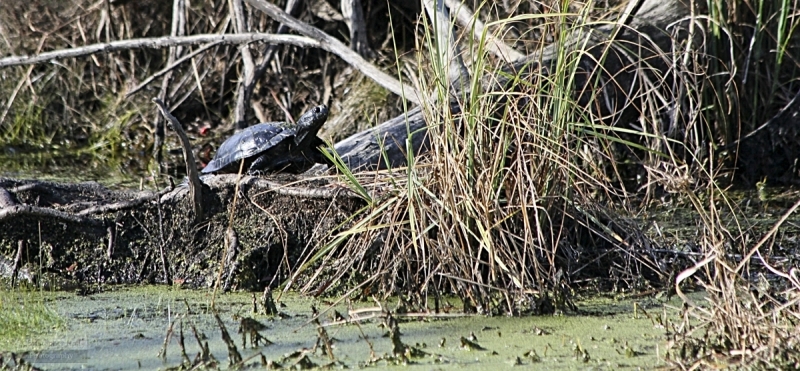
88, 233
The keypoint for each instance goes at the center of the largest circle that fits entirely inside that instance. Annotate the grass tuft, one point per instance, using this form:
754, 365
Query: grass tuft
23, 314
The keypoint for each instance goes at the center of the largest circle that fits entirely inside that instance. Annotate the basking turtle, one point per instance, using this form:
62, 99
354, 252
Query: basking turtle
273, 146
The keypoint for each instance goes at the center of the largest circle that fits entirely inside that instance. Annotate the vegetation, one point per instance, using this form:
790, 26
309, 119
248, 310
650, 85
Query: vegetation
23, 314
526, 194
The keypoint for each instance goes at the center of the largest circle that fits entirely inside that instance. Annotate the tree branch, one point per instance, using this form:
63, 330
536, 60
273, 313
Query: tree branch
467, 19
178, 26
246, 78
292, 7
160, 43
169, 68
195, 185
332, 45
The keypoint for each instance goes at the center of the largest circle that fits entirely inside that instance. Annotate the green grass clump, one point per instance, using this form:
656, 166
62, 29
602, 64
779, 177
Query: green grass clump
23, 314
26, 128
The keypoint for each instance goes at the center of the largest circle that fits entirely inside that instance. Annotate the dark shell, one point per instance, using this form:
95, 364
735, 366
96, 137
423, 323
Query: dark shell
260, 138
249, 142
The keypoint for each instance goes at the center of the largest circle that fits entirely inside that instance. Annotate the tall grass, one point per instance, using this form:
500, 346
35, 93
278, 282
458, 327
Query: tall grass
507, 210
503, 210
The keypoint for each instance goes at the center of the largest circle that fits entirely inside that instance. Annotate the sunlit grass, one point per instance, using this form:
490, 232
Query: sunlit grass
482, 214
23, 314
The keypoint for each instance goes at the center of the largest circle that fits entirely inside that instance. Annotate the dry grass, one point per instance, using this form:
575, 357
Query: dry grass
505, 210
506, 213
751, 314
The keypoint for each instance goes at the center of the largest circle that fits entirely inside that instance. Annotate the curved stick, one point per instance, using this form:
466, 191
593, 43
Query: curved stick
195, 186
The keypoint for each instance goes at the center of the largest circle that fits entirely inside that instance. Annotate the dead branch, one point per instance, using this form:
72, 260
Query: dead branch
17, 211
178, 25
469, 21
170, 67
335, 46
387, 144
195, 186
160, 43
246, 78
5, 199
123, 205
448, 52
354, 17
292, 7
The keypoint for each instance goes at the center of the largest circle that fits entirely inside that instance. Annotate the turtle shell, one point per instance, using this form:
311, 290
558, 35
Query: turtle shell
258, 139
250, 142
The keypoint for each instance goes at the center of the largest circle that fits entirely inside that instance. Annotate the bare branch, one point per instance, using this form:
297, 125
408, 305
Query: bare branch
469, 20
123, 205
447, 50
292, 7
242, 94
160, 43
354, 17
178, 25
332, 45
17, 211
169, 68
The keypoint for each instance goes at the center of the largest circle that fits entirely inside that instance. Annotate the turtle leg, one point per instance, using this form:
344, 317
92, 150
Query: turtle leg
292, 163
259, 165
267, 164
317, 156
313, 153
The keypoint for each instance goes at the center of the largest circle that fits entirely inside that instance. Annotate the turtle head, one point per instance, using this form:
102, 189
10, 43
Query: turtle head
309, 124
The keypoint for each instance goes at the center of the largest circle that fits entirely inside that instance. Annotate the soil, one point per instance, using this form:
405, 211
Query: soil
157, 241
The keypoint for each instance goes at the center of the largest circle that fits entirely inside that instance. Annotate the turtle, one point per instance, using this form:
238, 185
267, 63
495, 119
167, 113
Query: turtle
273, 146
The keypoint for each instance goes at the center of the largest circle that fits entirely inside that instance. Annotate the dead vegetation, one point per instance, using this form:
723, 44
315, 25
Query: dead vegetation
514, 181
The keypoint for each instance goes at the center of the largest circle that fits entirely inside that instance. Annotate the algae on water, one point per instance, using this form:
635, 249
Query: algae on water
131, 324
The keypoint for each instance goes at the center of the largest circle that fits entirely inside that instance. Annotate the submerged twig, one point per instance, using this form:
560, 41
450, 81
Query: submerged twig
322, 336
231, 251
182, 344
234, 357
162, 353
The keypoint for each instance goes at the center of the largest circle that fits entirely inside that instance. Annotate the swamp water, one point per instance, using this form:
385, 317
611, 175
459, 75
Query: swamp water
125, 328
